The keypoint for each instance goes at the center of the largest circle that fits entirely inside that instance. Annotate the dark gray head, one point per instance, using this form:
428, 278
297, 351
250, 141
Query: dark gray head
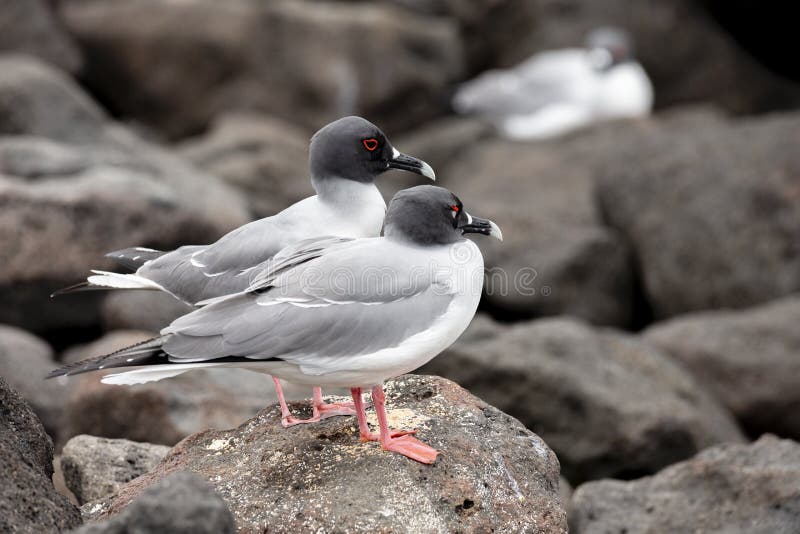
609, 46
355, 149
430, 215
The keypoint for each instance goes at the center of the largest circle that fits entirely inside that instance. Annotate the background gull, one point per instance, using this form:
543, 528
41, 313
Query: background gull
298, 323
557, 91
345, 158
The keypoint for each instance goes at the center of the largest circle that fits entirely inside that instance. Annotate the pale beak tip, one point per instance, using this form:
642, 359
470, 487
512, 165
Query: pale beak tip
427, 171
495, 231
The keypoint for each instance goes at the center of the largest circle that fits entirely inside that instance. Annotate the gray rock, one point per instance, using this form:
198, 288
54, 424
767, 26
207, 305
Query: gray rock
181, 503
711, 211
557, 256
160, 412
30, 27
702, 63
24, 362
74, 186
253, 60
265, 158
492, 473
28, 500
735, 489
140, 310
95, 467
748, 359
607, 403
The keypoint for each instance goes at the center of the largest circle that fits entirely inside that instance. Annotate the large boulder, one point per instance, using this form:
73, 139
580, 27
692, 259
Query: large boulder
368, 59
493, 474
181, 503
712, 212
74, 185
24, 362
736, 489
30, 27
748, 359
701, 63
264, 157
557, 256
160, 412
28, 500
95, 467
607, 403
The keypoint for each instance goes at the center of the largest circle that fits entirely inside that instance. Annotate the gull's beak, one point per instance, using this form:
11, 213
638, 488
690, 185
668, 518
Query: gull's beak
476, 225
410, 164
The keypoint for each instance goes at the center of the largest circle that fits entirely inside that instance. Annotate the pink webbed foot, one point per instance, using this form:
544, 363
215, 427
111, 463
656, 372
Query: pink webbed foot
288, 421
369, 436
411, 447
334, 409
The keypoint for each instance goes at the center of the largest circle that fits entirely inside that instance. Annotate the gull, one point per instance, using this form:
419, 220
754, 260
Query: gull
341, 312
345, 158
559, 91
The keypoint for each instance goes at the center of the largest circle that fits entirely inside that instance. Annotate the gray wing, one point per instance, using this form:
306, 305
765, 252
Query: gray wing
197, 273
543, 79
357, 299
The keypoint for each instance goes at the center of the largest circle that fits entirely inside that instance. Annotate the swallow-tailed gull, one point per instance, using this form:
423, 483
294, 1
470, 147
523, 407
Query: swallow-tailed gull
558, 91
345, 157
346, 313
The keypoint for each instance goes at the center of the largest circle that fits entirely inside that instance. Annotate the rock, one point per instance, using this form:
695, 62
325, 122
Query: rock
702, 63
30, 27
28, 500
265, 158
606, 402
557, 257
24, 362
160, 412
492, 473
736, 489
252, 60
81, 186
180, 504
712, 212
95, 467
140, 310
748, 359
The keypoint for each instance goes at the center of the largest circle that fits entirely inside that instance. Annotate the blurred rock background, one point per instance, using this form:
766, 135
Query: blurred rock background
660, 258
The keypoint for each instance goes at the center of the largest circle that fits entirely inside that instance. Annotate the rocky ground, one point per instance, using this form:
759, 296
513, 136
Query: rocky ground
637, 341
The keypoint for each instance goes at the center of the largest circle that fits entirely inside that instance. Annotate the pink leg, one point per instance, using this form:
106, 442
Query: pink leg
287, 419
331, 409
407, 445
361, 414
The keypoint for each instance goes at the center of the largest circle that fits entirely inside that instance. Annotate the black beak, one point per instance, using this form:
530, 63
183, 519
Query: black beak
410, 164
476, 225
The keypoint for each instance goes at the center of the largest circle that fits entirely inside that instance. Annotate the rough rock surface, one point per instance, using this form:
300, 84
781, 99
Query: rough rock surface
557, 257
252, 59
712, 212
95, 467
492, 473
28, 500
24, 362
160, 412
29, 27
181, 503
748, 359
74, 185
701, 63
140, 310
607, 403
736, 489
265, 158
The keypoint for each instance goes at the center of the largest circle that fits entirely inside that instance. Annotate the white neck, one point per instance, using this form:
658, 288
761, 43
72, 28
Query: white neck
341, 191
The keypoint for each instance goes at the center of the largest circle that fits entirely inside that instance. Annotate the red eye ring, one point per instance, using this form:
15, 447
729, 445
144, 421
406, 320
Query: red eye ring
455, 208
370, 144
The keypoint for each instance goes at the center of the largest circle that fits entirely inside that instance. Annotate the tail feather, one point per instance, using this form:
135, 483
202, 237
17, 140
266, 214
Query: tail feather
145, 353
135, 257
104, 280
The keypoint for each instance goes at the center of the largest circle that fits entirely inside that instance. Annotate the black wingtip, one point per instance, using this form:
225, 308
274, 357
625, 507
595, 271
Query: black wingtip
82, 286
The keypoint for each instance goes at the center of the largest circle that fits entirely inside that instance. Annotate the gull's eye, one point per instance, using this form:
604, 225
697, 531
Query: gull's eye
370, 144
454, 209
